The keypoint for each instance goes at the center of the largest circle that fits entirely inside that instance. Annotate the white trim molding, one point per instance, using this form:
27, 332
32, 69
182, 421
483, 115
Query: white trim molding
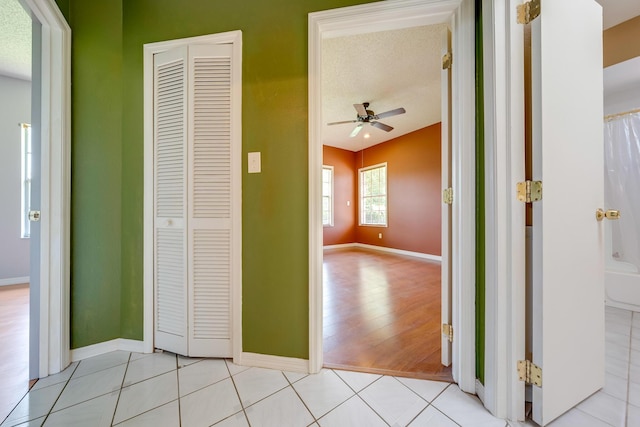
387, 15
55, 136
279, 363
503, 42
234, 38
385, 249
14, 281
106, 347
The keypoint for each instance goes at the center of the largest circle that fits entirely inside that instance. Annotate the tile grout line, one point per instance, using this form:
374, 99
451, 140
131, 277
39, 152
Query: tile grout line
430, 404
244, 411
60, 394
30, 390
367, 403
315, 420
178, 389
151, 409
115, 409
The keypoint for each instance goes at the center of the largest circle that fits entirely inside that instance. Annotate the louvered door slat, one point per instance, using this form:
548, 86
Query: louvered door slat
170, 156
211, 292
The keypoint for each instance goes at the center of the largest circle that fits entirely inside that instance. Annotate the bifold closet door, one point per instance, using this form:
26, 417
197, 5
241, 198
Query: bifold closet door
193, 200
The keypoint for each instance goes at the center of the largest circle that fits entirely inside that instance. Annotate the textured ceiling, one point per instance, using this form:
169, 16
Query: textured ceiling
15, 58
389, 69
15, 40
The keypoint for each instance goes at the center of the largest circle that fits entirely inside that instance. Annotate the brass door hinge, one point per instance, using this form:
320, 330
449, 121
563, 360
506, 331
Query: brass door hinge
529, 191
528, 11
447, 330
447, 195
529, 373
446, 61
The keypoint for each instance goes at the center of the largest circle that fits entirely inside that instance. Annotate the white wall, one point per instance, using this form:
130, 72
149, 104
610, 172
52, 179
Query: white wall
15, 108
622, 87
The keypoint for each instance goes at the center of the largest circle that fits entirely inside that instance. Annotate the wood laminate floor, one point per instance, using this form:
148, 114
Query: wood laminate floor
14, 346
382, 314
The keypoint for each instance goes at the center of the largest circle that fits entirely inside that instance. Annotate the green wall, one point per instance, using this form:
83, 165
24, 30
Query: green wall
96, 158
107, 163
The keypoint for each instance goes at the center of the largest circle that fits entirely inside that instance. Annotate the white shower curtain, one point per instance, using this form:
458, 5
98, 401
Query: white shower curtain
622, 184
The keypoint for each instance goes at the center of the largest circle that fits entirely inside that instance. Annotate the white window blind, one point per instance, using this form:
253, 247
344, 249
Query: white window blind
327, 195
25, 158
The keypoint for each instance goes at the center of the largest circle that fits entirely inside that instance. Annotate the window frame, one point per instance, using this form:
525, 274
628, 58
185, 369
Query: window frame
361, 197
331, 196
26, 151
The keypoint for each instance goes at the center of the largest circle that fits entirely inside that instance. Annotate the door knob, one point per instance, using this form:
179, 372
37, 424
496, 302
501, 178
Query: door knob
609, 214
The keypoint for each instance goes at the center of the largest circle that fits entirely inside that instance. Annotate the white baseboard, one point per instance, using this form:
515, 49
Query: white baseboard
106, 347
280, 363
14, 281
340, 246
385, 249
480, 390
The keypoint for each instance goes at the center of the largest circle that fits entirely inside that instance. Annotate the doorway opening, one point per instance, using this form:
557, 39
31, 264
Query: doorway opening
382, 217
15, 176
375, 18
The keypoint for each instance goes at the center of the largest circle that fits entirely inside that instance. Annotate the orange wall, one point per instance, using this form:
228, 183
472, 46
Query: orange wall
413, 179
344, 187
621, 42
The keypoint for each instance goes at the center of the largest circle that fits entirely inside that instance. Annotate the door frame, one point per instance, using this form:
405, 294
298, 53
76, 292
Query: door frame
505, 293
389, 15
53, 324
150, 49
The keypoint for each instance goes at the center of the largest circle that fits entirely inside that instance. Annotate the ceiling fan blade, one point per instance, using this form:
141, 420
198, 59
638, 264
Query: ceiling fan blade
382, 126
391, 113
361, 109
356, 130
341, 123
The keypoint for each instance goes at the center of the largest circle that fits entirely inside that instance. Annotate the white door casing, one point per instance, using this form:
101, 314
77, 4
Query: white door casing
568, 242
503, 64
55, 134
211, 205
445, 238
459, 14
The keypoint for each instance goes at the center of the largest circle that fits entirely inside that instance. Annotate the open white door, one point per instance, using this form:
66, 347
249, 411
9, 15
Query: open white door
568, 266
445, 147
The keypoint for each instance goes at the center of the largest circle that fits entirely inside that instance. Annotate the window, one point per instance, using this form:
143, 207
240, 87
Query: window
373, 195
327, 195
25, 159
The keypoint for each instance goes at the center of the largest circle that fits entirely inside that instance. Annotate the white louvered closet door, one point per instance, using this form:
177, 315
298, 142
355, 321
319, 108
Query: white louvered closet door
170, 201
210, 200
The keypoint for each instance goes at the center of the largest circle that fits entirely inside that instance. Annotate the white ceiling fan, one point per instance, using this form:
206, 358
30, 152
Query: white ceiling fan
368, 116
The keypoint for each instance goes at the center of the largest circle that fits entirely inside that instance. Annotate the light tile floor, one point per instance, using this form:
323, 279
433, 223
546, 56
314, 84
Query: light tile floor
162, 389
618, 403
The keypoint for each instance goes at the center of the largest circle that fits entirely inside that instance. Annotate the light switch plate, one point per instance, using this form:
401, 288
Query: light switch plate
254, 163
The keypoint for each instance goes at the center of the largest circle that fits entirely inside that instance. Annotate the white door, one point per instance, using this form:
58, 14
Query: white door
170, 200
568, 264
195, 203
445, 147
210, 206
